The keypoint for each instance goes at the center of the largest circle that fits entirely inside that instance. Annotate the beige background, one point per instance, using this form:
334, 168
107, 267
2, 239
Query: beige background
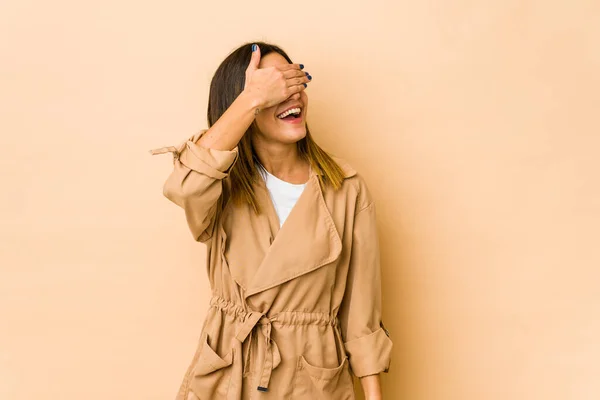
475, 124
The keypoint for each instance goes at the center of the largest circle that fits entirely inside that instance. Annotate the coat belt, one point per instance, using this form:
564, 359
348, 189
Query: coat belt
272, 357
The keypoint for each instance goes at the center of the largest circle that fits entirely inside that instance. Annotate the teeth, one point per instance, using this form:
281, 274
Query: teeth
288, 112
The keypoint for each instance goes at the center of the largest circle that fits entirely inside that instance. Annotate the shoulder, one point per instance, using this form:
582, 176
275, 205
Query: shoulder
354, 184
349, 171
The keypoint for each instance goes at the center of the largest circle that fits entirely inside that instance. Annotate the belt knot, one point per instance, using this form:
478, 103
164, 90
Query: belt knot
272, 356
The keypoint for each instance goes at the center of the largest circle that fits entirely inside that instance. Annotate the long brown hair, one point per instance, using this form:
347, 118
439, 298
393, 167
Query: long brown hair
226, 85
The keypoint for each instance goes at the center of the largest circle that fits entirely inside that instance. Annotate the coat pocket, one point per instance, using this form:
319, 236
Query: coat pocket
319, 383
212, 373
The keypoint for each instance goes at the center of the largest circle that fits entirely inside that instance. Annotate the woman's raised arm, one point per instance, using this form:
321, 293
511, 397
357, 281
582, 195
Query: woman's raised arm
202, 161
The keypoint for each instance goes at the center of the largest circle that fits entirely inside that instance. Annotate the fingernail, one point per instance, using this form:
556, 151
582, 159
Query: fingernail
254, 47
306, 73
309, 77
305, 85
301, 66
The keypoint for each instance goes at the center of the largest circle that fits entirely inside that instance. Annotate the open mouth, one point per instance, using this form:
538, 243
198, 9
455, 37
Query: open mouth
291, 115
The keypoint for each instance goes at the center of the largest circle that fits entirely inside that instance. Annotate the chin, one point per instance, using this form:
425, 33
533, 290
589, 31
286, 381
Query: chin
293, 135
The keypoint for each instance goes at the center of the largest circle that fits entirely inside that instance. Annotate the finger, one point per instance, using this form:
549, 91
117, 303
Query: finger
294, 73
296, 89
286, 67
297, 81
255, 59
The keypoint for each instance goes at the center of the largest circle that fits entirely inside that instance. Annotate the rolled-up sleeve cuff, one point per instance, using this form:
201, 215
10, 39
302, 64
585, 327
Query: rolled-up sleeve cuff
210, 162
371, 354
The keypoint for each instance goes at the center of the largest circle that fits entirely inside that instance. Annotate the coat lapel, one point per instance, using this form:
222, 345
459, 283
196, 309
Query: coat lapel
307, 240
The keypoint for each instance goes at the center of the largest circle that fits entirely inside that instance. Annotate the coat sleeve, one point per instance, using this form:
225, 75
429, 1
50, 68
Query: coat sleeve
195, 183
366, 339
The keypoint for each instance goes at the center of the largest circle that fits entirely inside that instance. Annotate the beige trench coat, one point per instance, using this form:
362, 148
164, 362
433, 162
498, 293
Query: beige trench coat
295, 311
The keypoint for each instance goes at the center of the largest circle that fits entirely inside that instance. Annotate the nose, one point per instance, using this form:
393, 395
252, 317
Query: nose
295, 96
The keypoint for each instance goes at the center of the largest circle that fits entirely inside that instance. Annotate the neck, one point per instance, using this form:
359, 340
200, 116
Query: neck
283, 161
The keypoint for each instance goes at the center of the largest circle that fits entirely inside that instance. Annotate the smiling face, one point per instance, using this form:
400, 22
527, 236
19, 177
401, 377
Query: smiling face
284, 122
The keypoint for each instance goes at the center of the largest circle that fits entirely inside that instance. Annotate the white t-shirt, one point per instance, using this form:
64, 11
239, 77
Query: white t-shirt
283, 194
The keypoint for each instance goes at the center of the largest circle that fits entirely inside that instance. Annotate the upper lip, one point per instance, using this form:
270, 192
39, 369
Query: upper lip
295, 105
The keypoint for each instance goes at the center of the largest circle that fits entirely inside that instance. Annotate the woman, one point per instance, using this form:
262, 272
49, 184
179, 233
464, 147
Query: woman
295, 310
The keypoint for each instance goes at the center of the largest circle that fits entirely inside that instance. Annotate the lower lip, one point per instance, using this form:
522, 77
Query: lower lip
296, 120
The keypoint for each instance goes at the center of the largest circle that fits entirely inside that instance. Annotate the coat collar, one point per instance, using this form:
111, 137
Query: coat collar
307, 240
